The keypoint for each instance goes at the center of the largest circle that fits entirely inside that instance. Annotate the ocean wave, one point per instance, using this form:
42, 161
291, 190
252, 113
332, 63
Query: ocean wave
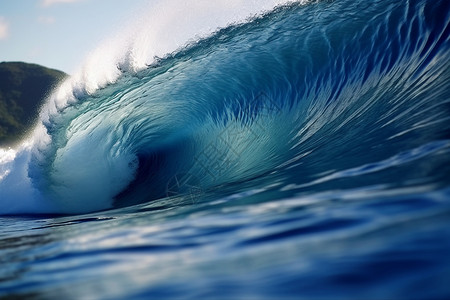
291, 93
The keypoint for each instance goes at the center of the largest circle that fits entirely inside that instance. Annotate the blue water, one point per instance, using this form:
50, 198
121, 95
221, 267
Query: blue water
301, 153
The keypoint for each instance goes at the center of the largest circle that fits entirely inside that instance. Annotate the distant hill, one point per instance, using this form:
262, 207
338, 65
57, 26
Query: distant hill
23, 89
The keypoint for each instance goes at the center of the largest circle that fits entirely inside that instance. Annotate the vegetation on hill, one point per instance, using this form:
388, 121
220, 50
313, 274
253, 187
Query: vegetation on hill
23, 89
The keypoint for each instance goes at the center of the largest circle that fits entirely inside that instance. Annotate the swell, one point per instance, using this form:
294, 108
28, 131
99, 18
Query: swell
301, 91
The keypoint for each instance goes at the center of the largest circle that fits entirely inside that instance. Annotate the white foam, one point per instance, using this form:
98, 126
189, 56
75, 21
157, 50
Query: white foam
163, 27
17, 193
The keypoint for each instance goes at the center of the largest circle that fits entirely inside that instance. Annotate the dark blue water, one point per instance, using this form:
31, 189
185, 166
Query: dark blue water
304, 153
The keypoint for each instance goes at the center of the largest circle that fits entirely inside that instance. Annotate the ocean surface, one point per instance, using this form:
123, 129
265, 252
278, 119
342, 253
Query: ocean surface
236, 150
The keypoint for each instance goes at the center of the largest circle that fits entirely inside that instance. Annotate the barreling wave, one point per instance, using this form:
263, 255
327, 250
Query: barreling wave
309, 94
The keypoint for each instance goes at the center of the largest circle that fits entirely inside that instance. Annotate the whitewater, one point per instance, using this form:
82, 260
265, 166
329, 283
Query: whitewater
259, 148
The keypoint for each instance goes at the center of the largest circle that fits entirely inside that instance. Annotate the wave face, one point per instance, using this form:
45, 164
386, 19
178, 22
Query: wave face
300, 151
299, 97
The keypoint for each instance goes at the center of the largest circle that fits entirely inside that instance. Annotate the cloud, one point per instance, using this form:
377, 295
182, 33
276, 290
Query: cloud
4, 28
51, 2
46, 20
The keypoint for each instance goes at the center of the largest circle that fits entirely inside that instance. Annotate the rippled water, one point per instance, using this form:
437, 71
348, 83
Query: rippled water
303, 153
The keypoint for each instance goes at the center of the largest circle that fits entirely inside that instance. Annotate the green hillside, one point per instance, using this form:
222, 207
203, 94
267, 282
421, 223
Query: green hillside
23, 88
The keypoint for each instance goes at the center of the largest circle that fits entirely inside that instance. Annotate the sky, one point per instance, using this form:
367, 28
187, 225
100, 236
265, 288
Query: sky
59, 34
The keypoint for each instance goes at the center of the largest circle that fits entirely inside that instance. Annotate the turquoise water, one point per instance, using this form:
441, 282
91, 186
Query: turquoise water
302, 153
